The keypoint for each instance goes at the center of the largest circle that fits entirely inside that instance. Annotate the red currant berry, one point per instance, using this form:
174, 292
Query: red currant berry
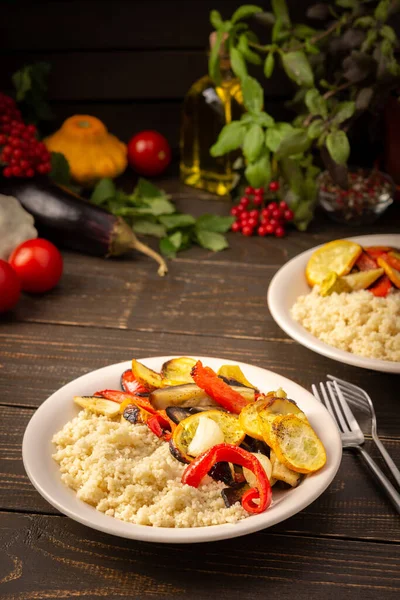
265, 212
274, 186
7, 150
269, 229
261, 231
279, 231
7, 172
274, 223
17, 153
259, 191
276, 214
24, 164
239, 209
283, 205
249, 191
254, 214
244, 215
29, 172
236, 226
258, 200
272, 206
31, 129
244, 201
252, 222
42, 169
17, 171
247, 230
288, 215
234, 211
3, 139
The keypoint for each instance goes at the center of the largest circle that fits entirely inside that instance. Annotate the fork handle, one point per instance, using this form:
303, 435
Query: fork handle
391, 492
388, 459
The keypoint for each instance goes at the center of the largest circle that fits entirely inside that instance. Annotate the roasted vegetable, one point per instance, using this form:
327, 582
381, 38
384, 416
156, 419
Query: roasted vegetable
98, 405
296, 444
266, 465
269, 412
363, 279
134, 414
234, 494
130, 384
146, 376
92, 152
185, 432
391, 272
248, 417
178, 369
16, 226
223, 471
71, 221
382, 287
178, 414
196, 471
235, 372
282, 473
186, 396
217, 389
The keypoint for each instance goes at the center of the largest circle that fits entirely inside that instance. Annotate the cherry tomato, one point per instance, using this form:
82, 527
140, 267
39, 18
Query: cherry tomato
38, 264
149, 153
10, 287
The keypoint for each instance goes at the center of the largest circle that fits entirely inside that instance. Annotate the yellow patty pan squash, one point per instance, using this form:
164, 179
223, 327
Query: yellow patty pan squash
91, 151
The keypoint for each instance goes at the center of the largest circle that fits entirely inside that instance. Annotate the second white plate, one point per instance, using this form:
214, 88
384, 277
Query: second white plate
289, 283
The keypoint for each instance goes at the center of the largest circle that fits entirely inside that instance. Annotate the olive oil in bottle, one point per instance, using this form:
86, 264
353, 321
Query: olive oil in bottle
207, 108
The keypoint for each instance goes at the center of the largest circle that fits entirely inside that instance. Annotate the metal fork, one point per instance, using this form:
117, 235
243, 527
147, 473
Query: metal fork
351, 434
359, 397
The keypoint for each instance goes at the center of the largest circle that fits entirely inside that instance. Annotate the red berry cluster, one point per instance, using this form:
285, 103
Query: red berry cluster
21, 154
263, 219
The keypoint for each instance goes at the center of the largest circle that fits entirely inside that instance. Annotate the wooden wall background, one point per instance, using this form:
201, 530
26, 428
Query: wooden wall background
128, 62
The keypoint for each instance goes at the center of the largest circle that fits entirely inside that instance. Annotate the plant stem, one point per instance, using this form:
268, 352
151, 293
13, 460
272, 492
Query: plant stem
331, 93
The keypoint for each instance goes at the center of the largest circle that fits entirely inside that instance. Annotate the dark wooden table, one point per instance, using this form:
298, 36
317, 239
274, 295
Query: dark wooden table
345, 545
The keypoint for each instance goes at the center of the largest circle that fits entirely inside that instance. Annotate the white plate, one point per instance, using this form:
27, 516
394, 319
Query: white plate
290, 282
59, 409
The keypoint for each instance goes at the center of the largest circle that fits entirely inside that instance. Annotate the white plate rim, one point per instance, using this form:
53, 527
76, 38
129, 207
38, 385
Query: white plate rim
107, 524
297, 332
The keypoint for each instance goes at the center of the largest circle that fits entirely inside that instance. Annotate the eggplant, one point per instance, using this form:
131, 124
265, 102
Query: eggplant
132, 413
178, 414
252, 445
234, 494
222, 471
186, 395
73, 222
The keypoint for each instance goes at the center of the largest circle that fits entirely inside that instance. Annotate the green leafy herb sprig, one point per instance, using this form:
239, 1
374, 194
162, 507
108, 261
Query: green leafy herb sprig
30, 84
343, 68
150, 211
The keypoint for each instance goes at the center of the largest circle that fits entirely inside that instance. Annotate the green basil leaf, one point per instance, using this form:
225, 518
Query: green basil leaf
269, 65
174, 221
315, 103
253, 142
214, 223
275, 135
364, 22
215, 19
389, 33
295, 142
264, 119
157, 207
104, 190
303, 31
238, 63
347, 3
214, 61
343, 111
298, 68
60, 172
167, 248
315, 129
248, 53
258, 174
230, 138
146, 227
281, 12
338, 146
176, 239
253, 95
245, 11
381, 11
293, 175
146, 189
211, 240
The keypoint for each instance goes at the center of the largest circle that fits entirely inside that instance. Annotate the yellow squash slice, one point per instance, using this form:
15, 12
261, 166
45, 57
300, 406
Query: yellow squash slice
296, 444
178, 370
235, 372
338, 256
248, 417
391, 272
98, 405
268, 413
185, 432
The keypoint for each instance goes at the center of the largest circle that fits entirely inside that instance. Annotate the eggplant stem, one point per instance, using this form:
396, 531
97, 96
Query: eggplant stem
138, 245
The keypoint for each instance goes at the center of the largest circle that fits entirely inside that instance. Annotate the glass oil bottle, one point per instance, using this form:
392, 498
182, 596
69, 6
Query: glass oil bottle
207, 108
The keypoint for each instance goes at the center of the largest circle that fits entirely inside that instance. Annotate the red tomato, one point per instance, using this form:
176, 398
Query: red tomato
149, 153
38, 265
10, 287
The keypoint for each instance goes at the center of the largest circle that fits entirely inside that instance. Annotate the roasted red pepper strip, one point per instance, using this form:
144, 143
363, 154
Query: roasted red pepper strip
131, 385
217, 389
194, 473
117, 396
366, 262
382, 287
161, 425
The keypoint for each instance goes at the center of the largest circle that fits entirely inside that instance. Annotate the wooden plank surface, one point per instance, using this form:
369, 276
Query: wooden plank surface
52, 557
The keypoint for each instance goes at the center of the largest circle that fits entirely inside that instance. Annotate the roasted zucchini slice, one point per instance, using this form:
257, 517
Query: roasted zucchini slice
98, 405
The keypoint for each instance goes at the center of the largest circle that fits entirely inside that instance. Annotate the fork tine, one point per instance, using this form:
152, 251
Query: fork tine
357, 396
323, 400
342, 426
354, 426
345, 425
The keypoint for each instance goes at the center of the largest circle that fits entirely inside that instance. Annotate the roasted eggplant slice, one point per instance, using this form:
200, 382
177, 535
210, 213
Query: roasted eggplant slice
186, 395
234, 494
178, 414
223, 471
178, 369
